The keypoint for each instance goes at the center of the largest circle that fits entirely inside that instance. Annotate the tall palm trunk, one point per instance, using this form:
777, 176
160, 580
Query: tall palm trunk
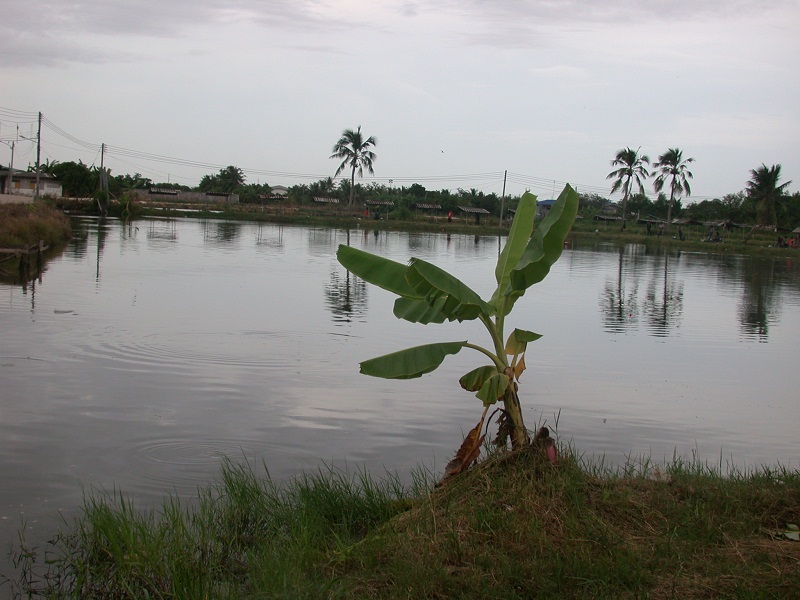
352, 184
669, 207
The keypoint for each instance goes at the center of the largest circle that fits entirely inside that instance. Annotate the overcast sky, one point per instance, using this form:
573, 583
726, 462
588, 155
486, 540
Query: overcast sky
455, 91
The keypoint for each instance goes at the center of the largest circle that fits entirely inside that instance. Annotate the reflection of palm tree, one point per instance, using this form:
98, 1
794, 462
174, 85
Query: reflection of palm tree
356, 154
760, 303
663, 312
672, 164
631, 171
346, 297
619, 306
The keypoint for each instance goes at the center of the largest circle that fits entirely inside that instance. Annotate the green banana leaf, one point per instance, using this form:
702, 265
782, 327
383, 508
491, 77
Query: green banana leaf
518, 236
474, 380
411, 362
544, 247
417, 311
493, 388
453, 298
384, 273
518, 341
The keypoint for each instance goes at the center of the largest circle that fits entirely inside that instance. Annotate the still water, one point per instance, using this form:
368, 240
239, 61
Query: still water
147, 352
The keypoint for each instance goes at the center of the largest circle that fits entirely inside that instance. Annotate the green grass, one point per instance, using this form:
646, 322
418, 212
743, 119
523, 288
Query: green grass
24, 225
515, 526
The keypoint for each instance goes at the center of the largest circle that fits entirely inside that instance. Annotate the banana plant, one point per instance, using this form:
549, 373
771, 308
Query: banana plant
428, 294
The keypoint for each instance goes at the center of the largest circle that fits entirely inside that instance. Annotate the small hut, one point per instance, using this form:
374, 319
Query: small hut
471, 210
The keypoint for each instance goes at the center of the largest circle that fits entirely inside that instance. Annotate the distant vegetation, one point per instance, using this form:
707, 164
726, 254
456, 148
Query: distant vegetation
763, 199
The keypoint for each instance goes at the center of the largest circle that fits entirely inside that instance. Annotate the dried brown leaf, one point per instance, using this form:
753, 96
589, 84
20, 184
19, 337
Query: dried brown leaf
468, 452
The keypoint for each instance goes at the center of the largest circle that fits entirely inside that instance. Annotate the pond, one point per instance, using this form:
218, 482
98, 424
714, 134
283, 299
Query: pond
146, 352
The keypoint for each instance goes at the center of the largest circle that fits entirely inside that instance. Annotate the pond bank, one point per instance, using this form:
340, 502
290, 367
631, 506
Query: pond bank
29, 234
515, 526
584, 231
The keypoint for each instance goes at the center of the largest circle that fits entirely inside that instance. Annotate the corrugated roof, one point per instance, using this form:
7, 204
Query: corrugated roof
425, 206
474, 211
323, 200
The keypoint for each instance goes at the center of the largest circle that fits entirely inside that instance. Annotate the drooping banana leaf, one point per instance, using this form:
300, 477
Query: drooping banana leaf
377, 270
474, 380
493, 388
414, 310
411, 362
518, 341
456, 300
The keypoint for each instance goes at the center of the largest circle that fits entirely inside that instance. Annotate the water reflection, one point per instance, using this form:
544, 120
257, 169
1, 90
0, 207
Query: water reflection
143, 383
162, 231
619, 299
269, 236
663, 300
346, 296
221, 233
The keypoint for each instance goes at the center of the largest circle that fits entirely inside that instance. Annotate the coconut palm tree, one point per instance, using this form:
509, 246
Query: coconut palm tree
764, 189
230, 178
355, 153
672, 165
631, 171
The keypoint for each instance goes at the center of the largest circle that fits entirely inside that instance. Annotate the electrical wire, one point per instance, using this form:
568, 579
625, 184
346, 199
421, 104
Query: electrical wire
119, 153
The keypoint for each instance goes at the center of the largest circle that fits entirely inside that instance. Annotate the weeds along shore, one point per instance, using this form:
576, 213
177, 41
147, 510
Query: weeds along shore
585, 231
514, 526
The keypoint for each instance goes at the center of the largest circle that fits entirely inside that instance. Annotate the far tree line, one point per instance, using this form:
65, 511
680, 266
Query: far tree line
764, 199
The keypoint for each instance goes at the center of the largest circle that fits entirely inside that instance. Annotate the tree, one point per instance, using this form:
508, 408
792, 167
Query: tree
230, 178
427, 294
355, 153
671, 165
631, 171
224, 182
763, 188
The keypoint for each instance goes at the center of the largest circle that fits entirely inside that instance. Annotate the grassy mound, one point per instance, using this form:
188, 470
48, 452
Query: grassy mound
513, 527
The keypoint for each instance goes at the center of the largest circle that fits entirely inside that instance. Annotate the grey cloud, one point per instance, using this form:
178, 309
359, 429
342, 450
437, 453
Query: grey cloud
49, 32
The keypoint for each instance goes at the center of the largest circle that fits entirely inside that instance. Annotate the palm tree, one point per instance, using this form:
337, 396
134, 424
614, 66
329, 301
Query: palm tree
354, 151
231, 178
672, 164
631, 170
764, 189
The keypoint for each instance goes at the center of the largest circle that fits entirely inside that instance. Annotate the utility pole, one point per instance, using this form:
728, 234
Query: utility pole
38, 156
9, 187
503, 198
102, 200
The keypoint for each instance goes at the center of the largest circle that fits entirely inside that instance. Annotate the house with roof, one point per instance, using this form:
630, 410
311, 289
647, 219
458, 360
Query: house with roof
23, 183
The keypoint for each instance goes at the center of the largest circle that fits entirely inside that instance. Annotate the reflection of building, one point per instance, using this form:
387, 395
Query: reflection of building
23, 183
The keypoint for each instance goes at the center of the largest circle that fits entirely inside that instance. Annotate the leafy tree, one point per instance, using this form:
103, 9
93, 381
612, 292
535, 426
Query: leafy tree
671, 165
355, 153
224, 182
641, 204
631, 170
593, 201
763, 188
427, 294
231, 178
77, 179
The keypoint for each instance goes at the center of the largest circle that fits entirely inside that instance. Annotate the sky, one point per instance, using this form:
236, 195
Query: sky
456, 92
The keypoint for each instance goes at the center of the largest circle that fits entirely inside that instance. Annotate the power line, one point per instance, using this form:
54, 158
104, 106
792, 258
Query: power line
528, 181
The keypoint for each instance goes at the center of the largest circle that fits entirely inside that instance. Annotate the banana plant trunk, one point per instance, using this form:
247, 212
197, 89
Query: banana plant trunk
519, 435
